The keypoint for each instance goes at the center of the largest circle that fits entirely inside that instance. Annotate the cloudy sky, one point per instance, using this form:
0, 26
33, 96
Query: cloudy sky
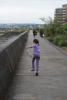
27, 11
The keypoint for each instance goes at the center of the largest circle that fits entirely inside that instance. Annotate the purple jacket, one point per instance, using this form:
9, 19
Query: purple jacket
36, 50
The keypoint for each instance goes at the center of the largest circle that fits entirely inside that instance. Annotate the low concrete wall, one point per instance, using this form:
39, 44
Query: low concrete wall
9, 56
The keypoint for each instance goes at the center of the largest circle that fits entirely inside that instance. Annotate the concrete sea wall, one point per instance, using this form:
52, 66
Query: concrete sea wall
10, 53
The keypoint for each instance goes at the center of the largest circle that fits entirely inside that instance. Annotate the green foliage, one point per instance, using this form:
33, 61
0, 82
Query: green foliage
59, 30
60, 40
61, 43
55, 31
65, 28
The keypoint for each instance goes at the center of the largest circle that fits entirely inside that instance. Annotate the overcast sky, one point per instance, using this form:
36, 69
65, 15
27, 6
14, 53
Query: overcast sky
27, 11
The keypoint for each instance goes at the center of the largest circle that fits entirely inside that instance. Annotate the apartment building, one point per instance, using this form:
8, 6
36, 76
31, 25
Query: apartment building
61, 14
64, 7
58, 15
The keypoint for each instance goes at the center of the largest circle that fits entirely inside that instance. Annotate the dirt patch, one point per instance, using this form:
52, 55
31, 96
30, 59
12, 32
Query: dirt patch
64, 48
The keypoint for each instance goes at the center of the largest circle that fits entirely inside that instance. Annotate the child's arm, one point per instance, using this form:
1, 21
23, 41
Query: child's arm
32, 46
28, 47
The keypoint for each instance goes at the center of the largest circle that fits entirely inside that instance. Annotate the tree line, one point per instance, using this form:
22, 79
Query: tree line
54, 31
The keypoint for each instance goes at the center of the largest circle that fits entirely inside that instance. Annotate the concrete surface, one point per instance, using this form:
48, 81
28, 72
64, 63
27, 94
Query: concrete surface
51, 84
10, 52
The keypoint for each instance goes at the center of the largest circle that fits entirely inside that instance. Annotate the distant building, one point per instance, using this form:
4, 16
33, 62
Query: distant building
64, 7
61, 14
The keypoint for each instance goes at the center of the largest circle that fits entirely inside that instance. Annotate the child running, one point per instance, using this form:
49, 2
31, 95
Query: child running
36, 55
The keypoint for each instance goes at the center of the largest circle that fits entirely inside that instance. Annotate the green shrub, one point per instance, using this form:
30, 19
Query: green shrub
60, 40
56, 39
59, 30
61, 43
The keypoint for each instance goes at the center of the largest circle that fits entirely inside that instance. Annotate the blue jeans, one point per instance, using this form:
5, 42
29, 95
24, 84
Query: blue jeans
37, 58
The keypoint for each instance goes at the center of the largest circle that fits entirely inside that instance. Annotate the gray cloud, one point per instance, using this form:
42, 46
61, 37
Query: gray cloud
27, 11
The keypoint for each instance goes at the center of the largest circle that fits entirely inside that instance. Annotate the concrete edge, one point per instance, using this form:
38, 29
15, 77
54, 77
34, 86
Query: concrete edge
57, 47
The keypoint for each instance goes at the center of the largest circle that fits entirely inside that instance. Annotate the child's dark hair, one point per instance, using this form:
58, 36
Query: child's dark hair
36, 41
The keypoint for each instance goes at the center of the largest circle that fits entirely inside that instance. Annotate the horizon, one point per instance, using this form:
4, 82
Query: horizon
21, 23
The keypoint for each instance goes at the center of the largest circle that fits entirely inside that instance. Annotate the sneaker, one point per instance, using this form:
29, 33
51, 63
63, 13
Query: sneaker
37, 74
33, 70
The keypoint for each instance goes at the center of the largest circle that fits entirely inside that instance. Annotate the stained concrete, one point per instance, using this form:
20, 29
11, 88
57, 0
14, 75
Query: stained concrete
10, 52
51, 84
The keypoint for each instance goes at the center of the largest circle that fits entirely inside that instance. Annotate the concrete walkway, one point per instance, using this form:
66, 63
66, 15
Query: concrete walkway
51, 84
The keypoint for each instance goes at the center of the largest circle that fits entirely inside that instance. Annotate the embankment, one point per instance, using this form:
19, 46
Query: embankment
10, 53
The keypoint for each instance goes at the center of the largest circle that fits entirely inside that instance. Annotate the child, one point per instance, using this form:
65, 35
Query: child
36, 55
